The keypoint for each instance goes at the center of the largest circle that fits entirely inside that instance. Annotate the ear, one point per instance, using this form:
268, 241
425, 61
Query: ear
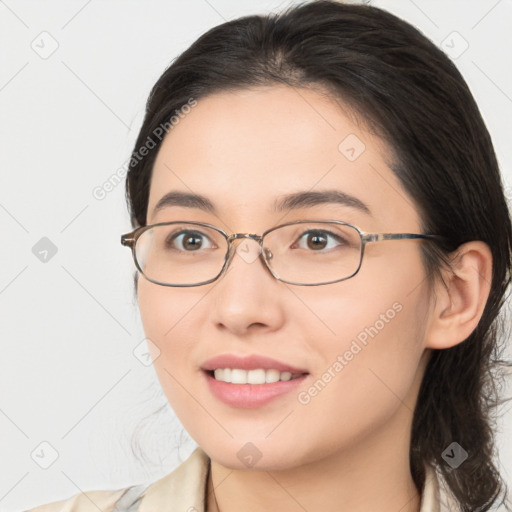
459, 303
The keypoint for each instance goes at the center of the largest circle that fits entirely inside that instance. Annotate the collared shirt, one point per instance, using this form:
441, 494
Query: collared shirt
184, 490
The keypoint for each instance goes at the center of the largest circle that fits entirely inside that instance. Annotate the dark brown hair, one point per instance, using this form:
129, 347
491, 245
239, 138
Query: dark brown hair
409, 92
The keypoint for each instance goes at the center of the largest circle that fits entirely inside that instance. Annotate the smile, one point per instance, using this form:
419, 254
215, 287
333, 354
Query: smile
256, 376
247, 394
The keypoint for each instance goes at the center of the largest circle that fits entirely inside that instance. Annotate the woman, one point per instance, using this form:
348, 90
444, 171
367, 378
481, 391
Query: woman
339, 352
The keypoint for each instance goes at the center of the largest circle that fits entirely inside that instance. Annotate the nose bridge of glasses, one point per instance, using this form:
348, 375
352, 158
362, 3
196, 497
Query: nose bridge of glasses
237, 236
248, 252
241, 246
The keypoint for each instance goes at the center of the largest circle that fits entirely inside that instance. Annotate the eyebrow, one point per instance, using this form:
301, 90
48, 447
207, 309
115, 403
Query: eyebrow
284, 203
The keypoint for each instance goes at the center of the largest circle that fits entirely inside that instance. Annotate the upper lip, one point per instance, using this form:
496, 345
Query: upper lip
251, 362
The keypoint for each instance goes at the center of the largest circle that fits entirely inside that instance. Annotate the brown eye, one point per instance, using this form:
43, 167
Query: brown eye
189, 241
318, 240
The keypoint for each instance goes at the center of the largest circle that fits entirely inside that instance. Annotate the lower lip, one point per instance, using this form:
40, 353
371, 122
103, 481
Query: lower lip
250, 396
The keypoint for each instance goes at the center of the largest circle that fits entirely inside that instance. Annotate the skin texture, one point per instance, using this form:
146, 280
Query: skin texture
348, 448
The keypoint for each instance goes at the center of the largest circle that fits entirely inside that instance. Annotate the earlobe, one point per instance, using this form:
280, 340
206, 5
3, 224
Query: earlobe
460, 301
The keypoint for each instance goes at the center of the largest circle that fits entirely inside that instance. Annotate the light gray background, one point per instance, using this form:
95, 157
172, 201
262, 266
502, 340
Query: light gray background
69, 326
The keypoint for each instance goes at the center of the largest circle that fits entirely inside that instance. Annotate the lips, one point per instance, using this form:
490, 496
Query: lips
252, 362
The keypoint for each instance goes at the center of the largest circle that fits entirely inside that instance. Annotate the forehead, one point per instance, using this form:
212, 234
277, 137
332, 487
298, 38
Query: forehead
245, 149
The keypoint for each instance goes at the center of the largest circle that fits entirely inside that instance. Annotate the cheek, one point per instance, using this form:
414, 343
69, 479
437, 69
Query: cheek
370, 339
368, 375
167, 316
379, 302
360, 338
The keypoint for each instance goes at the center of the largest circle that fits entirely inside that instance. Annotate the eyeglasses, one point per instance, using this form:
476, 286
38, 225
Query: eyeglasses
304, 253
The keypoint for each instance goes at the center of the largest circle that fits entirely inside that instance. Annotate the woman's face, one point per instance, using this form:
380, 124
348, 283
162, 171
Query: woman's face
358, 344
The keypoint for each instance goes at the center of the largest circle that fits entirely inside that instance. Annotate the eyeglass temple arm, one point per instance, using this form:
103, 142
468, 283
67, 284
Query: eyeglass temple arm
378, 237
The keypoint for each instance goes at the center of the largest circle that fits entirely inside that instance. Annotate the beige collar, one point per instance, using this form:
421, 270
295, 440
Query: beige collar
185, 488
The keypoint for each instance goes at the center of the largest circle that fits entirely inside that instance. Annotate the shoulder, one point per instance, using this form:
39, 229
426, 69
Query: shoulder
85, 501
184, 487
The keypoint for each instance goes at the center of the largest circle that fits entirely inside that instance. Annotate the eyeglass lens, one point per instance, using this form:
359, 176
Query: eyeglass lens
305, 253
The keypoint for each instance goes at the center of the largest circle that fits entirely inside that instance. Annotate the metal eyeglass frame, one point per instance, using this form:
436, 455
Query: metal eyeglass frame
130, 240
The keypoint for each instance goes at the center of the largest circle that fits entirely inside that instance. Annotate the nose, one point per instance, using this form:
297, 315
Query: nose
247, 297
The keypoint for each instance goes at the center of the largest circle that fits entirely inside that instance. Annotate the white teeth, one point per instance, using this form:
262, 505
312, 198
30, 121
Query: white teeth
259, 376
238, 376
